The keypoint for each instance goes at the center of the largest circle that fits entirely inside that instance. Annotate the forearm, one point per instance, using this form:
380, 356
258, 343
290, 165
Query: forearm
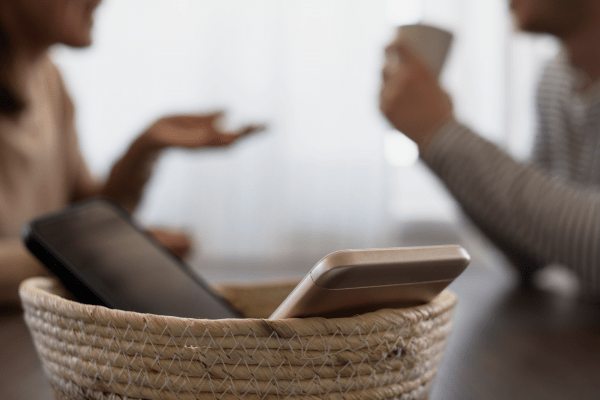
521, 258
552, 221
129, 175
16, 265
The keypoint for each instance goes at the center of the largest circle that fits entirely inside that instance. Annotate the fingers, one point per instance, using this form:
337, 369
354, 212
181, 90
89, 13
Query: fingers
178, 243
407, 52
195, 120
404, 67
394, 80
216, 120
199, 130
214, 115
402, 56
225, 139
388, 98
392, 62
252, 128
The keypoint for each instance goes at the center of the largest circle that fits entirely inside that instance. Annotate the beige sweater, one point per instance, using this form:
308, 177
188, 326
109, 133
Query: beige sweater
41, 167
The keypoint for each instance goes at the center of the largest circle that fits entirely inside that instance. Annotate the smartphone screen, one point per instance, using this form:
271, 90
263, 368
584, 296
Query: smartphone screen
102, 257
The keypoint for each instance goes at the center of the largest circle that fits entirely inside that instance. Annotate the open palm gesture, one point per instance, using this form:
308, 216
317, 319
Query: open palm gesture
194, 131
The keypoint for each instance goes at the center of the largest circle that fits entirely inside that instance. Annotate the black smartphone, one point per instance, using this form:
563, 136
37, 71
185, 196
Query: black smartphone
103, 257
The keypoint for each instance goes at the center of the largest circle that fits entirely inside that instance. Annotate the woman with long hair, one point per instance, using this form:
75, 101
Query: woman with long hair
41, 166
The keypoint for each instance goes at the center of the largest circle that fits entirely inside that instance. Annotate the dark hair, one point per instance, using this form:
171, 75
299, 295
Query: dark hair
10, 102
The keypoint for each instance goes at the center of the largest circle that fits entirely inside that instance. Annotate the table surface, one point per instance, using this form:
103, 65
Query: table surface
507, 343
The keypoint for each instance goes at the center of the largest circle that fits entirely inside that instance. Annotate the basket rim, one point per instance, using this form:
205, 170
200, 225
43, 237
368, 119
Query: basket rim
39, 293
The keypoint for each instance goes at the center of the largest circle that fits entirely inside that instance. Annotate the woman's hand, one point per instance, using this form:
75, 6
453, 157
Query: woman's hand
194, 131
411, 97
178, 243
130, 174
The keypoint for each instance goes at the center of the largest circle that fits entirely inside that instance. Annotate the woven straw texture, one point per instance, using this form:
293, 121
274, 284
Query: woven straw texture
91, 352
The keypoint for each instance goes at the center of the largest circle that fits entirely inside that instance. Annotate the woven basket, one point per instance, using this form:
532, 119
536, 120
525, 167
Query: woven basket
92, 352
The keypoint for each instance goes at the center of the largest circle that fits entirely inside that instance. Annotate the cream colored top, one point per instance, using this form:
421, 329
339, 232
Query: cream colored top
41, 167
41, 170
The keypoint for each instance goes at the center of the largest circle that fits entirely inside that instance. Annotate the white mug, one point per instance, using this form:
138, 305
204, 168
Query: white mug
430, 42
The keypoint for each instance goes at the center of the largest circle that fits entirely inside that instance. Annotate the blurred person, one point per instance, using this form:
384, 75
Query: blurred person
41, 167
543, 211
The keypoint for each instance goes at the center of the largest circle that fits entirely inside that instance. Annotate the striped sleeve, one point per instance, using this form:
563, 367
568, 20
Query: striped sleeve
541, 154
554, 221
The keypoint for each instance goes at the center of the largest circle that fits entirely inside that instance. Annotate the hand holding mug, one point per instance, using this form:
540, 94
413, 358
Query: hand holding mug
411, 97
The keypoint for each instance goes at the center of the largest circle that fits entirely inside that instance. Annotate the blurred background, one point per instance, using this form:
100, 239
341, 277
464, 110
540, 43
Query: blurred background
329, 173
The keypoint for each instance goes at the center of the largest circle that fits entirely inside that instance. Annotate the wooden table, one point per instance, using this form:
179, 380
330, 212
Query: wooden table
511, 343
507, 343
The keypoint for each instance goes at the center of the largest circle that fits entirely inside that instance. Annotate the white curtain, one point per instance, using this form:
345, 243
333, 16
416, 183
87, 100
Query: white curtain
318, 180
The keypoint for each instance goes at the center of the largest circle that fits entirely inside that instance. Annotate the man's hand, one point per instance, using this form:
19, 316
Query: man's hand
411, 97
194, 131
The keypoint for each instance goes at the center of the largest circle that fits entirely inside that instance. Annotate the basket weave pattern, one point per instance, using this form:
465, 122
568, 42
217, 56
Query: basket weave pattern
91, 352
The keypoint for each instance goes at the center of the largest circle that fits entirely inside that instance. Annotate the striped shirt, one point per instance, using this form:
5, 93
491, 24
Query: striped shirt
544, 211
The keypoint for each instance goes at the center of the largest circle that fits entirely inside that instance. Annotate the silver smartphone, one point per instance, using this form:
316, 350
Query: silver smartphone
351, 282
